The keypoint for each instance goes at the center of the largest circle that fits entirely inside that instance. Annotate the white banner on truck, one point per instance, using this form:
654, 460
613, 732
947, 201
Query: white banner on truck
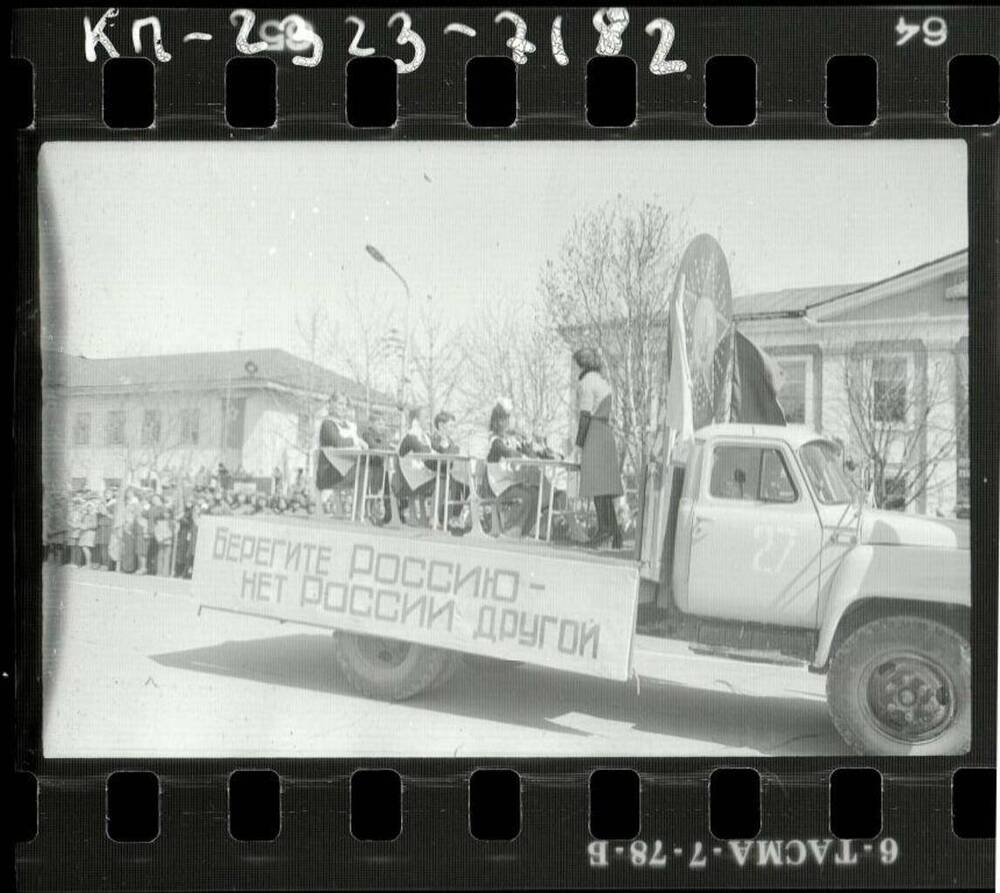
517, 602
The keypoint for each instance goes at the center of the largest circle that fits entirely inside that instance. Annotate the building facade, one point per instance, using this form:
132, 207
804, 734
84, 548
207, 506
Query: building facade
134, 419
883, 367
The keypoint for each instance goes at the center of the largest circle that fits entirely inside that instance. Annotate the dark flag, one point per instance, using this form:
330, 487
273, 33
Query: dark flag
748, 387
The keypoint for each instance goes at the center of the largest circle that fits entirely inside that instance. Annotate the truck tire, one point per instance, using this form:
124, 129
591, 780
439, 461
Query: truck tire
390, 669
902, 686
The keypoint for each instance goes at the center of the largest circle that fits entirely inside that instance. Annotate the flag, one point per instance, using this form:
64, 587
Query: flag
680, 410
749, 389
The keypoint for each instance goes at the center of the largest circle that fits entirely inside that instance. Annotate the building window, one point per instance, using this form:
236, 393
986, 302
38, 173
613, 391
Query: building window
795, 395
896, 491
112, 483
304, 432
151, 427
78, 484
114, 428
81, 429
233, 412
189, 419
889, 389
956, 286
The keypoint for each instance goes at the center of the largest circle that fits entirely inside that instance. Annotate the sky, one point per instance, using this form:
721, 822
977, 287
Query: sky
169, 247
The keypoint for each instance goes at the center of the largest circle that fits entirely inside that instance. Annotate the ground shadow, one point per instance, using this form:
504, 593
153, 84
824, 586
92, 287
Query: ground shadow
534, 697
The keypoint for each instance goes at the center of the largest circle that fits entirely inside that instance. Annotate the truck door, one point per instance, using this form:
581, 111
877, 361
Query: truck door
756, 538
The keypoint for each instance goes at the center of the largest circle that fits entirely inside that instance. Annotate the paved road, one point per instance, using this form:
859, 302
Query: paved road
133, 670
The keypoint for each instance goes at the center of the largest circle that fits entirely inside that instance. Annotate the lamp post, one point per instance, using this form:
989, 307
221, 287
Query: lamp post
380, 258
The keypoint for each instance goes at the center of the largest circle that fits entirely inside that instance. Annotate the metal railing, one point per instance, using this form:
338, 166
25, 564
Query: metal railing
450, 469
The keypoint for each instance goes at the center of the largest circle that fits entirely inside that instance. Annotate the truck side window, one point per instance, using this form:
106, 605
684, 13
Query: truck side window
735, 472
751, 474
775, 482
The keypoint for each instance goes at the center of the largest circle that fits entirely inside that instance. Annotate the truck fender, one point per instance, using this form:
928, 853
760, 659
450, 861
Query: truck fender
895, 579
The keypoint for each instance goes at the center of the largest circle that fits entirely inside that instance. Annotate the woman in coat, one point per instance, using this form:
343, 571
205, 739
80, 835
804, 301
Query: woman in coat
105, 510
600, 474
131, 535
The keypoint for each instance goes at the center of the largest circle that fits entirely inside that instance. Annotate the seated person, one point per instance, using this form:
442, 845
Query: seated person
540, 447
374, 433
511, 485
455, 473
442, 439
555, 477
418, 478
338, 430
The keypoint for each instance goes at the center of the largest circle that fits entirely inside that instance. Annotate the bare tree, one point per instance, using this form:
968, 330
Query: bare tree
436, 360
514, 351
361, 345
899, 410
164, 440
610, 287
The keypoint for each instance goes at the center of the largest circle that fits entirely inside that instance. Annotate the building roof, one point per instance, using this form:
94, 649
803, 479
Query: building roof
791, 298
825, 295
199, 370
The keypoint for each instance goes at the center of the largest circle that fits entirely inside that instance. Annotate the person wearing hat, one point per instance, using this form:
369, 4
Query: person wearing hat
600, 472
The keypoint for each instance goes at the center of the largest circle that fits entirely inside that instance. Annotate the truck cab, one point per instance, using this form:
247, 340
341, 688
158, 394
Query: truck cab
771, 553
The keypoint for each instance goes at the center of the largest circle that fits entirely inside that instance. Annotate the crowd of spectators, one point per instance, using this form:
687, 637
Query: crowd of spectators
154, 528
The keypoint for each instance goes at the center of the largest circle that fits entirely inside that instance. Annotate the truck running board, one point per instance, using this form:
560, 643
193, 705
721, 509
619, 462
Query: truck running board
748, 654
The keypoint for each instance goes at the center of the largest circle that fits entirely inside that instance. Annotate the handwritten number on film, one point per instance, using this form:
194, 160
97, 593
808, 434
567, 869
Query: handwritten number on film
294, 34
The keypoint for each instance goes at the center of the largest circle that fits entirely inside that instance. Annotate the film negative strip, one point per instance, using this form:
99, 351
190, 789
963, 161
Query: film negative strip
501, 448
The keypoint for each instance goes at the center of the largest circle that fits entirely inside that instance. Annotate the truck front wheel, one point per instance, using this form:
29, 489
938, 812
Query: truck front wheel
390, 669
902, 686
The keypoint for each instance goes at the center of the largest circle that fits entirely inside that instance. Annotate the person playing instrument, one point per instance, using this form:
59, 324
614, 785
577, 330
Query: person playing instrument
600, 473
510, 484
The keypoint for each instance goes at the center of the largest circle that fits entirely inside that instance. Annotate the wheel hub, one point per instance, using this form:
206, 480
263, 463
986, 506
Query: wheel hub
910, 698
383, 652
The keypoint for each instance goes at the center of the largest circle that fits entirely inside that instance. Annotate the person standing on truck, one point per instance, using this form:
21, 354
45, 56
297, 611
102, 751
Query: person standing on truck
600, 473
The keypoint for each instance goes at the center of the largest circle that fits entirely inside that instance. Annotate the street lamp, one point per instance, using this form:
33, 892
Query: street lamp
380, 258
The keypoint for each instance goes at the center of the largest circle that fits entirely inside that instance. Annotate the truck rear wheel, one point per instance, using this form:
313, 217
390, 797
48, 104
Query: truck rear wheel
389, 668
902, 686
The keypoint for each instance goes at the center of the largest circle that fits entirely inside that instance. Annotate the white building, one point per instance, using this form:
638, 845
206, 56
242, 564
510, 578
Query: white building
108, 420
884, 367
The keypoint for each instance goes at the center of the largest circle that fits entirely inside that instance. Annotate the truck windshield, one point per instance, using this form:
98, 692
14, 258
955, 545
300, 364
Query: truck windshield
821, 461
